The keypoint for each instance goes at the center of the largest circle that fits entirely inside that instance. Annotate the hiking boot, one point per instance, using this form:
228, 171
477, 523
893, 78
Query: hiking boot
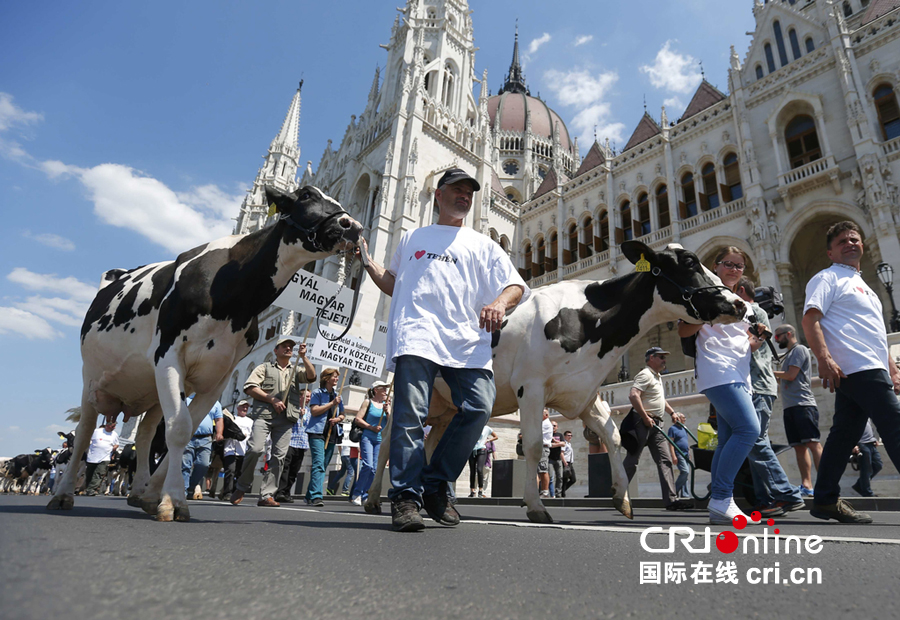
405, 516
439, 508
680, 505
840, 511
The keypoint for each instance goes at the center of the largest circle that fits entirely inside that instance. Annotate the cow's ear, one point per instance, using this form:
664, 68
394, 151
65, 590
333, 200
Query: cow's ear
38, 451
61, 434
283, 203
633, 250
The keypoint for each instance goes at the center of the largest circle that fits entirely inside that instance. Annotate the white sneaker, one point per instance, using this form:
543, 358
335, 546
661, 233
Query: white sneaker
356, 501
723, 512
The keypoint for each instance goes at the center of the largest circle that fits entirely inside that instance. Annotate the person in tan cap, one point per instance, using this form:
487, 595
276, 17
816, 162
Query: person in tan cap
276, 407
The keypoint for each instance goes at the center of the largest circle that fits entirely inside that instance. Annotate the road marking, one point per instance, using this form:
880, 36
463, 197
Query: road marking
615, 529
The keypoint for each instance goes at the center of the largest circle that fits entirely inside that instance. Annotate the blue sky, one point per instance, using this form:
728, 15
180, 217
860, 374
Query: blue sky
129, 131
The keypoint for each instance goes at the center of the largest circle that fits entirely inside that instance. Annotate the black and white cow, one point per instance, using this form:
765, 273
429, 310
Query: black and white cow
158, 333
555, 349
21, 471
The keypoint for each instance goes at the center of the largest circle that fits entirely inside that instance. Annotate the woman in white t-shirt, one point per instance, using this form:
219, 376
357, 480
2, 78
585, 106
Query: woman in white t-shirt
723, 376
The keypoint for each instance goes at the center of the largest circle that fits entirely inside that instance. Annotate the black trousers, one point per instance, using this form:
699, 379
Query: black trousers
862, 395
232, 465
292, 462
476, 467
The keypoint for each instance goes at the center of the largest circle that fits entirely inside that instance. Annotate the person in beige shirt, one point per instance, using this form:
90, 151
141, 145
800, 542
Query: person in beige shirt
648, 400
276, 407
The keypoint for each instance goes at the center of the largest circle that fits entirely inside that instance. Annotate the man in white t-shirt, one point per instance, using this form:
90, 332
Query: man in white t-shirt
103, 442
451, 287
544, 463
844, 326
233, 454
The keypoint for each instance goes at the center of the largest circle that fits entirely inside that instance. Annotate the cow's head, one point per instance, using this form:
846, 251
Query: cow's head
44, 460
314, 219
682, 280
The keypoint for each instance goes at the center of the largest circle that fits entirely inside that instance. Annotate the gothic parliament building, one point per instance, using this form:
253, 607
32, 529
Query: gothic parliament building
808, 134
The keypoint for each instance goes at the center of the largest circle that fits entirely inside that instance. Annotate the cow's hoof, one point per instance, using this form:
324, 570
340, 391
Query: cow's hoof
624, 506
182, 513
61, 502
150, 506
373, 508
539, 516
134, 501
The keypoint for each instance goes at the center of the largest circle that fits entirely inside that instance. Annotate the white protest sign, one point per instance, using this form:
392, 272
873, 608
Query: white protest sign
348, 352
379, 338
308, 293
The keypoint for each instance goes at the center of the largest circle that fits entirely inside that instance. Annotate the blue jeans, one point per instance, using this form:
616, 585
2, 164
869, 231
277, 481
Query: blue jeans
197, 455
348, 466
869, 466
770, 483
321, 456
861, 395
684, 473
368, 458
738, 431
472, 391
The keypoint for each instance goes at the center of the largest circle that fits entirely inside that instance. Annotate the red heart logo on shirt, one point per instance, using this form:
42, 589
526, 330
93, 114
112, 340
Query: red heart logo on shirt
420, 254
861, 290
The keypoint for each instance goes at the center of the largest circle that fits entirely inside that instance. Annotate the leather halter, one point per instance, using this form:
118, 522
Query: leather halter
311, 232
687, 292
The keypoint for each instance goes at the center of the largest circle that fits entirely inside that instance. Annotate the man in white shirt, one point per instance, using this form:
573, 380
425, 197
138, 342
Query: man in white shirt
844, 326
103, 442
451, 288
544, 463
568, 457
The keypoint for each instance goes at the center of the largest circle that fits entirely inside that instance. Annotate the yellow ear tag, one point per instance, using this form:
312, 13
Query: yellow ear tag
642, 266
272, 210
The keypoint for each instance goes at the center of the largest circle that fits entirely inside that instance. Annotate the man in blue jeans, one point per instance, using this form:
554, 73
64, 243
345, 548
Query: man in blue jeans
198, 452
451, 288
774, 493
844, 325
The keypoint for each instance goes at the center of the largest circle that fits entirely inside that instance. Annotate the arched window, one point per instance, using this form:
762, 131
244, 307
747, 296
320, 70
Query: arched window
587, 248
888, 111
709, 199
848, 10
802, 141
642, 224
528, 273
626, 233
759, 72
550, 262
688, 207
810, 45
570, 250
448, 85
662, 206
864, 3
779, 41
601, 243
795, 43
733, 188
770, 59
538, 267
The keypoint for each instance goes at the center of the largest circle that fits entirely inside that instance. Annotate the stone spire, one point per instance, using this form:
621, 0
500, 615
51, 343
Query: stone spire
290, 128
515, 79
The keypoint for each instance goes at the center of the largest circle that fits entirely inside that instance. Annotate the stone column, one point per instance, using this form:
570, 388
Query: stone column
785, 281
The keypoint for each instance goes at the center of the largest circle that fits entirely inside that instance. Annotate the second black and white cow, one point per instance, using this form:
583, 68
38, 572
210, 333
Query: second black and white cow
555, 350
20, 471
156, 334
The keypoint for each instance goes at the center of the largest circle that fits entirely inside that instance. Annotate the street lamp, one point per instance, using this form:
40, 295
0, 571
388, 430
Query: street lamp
623, 372
234, 397
886, 276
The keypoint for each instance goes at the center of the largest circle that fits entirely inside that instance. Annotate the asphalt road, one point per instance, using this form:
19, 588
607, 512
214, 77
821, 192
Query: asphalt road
105, 559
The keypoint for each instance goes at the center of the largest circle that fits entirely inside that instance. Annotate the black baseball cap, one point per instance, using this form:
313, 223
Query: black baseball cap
455, 175
655, 351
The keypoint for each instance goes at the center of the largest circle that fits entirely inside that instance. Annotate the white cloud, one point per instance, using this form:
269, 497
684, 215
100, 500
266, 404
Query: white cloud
672, 71
56, 309
674, 107
33, 327
74, 288
13, 116
588, 94
585, 38
127, 198
58, 428
50, 240
537, 43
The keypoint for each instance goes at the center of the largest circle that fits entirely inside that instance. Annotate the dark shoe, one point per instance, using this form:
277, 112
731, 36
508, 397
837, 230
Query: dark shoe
268, 502
792, 506
438, 507
857, 488
840, 511
284, 499
405, 516
472, 494
772, 510
90, 493
317, 503
680, 505
237, 497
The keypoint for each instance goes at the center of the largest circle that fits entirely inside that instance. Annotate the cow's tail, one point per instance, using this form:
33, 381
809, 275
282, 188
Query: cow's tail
111, 276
